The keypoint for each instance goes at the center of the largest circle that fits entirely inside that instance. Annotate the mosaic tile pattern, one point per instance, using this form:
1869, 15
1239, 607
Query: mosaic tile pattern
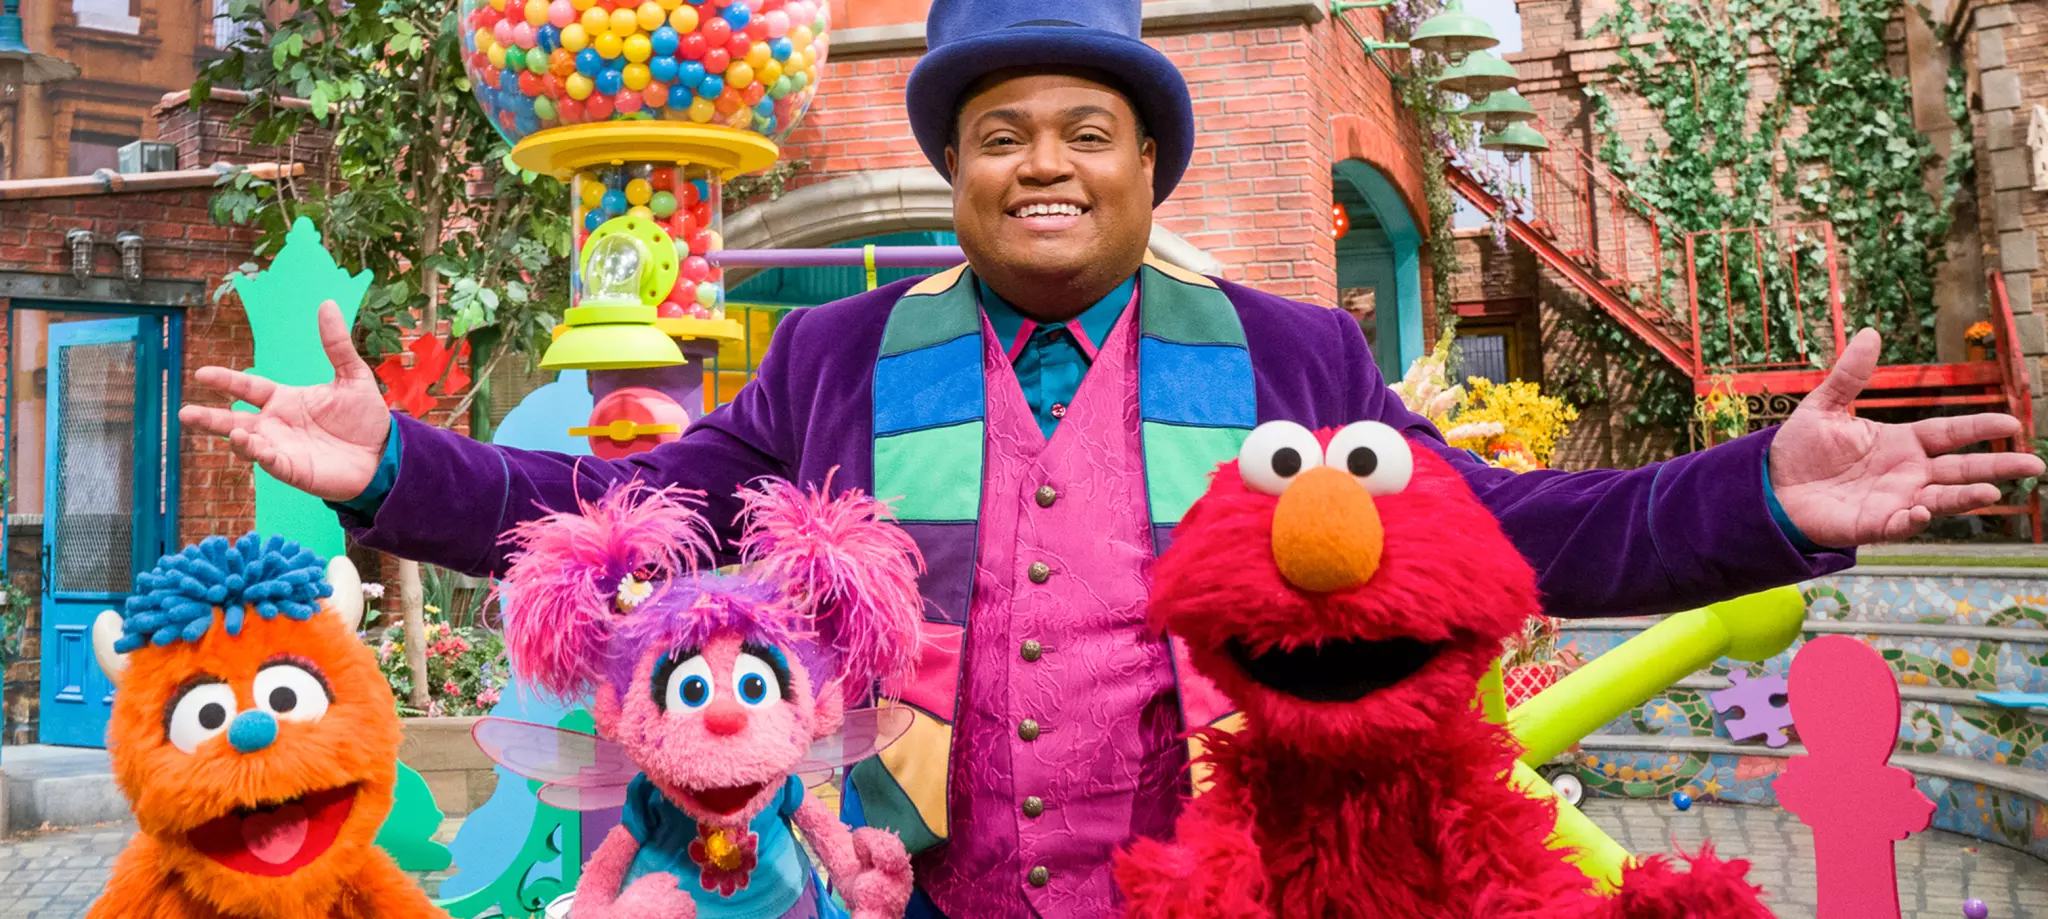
1976, 732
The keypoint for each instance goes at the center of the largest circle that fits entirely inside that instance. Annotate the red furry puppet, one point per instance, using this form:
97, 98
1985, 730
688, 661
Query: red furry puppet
255, 739
1347, 591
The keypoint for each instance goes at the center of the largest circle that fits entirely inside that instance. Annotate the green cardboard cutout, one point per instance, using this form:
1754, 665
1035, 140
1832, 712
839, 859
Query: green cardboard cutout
408, 833
283, 303
556, 838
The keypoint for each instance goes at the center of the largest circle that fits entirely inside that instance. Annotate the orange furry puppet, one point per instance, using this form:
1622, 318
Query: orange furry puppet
255, 739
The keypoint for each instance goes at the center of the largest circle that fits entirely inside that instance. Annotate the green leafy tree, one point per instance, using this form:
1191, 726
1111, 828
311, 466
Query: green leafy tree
422, 195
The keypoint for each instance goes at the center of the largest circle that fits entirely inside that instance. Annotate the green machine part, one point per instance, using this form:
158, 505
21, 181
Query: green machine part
556, 836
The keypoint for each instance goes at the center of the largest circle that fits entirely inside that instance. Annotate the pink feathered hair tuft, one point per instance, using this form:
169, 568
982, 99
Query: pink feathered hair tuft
562, 587
847, 566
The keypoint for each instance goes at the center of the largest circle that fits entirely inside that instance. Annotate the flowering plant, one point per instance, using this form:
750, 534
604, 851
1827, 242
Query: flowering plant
1721, 412
1980, 335
1426, 388
1513, 424
466, 671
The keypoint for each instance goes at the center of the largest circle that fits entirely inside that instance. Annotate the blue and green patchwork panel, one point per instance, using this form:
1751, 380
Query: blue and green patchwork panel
1196, 393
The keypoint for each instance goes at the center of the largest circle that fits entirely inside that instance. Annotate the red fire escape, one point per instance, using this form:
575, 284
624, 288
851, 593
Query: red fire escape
1754, 311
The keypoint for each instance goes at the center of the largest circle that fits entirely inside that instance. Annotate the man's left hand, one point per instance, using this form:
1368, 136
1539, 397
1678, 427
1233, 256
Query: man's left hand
1848, 481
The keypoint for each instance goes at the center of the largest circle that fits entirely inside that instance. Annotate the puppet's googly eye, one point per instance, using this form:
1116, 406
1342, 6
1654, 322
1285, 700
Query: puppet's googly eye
689, 685
755, 680
199, 714
1375, 454
1274, 453
291, 692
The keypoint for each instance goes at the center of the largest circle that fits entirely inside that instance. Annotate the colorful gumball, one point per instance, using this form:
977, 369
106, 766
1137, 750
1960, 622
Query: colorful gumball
609, 81
544, 109
575, 38
702, 111
716, 32
739, 74
625, 22
690, 75
777, 22
700, 242
662, 203
663, 69
670, 309
561, 63
663, 178
684, 21
596, 21
579, 86
569, 110
599, 108
641, 212
728, 102
736, 48
695, 268
655, 94
707, 295
638, 48
664, 39
592, 220
754, 95
639, 191
608, 46
561, 13
650, 16
758, 55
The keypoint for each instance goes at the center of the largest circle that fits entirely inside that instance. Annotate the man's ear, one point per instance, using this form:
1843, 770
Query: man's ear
1148, 157
952, 159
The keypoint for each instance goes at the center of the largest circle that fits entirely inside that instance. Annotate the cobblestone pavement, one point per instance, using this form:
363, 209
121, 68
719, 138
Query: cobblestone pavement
56, 874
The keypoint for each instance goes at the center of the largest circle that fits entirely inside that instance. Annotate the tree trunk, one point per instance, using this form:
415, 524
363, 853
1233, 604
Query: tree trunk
412, 602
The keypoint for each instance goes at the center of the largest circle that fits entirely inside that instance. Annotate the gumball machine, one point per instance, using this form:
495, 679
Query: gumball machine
644, 108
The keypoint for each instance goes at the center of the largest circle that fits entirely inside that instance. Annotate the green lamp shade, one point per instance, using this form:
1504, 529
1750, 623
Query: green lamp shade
1515, 139
1500, 109
1452, 32
626, 341
1480, 74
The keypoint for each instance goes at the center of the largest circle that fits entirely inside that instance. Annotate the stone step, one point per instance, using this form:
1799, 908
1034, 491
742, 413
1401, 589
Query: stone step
59, 786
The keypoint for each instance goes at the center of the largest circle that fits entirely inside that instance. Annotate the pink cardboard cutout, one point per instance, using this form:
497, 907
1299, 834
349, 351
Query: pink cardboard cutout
1845, 705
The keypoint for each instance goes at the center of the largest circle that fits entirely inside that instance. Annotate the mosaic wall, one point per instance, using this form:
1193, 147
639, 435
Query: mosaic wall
1985, 733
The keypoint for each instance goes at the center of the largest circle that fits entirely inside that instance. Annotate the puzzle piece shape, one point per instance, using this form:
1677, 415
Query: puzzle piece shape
1755, 707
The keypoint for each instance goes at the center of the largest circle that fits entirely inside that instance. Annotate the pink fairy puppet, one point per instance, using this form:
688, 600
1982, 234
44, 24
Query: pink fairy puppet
714, 691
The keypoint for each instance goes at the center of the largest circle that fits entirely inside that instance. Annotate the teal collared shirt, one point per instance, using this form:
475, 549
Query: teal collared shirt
1051, 360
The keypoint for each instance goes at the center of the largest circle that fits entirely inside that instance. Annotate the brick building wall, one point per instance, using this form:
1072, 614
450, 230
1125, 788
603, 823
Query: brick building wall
1280, 95
2007, 49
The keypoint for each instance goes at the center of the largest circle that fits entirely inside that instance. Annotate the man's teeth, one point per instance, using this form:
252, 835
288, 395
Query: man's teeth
1048, 210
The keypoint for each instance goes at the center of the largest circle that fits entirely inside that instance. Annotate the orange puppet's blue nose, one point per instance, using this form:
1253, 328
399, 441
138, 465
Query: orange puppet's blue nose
1326, 532
252, 732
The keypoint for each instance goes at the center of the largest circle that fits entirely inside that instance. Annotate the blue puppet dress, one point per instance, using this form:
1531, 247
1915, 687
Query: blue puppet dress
768, 876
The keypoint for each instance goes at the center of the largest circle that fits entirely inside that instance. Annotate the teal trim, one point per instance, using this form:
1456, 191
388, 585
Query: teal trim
933, 475
815, 286
1389, 260
1178, 463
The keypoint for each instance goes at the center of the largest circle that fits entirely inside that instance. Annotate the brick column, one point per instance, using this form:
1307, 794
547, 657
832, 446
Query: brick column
2012, 70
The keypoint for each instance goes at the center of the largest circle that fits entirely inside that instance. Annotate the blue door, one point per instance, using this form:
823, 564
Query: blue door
103, 503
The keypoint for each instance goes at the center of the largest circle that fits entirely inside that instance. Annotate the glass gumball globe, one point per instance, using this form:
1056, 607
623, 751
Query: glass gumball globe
611, 271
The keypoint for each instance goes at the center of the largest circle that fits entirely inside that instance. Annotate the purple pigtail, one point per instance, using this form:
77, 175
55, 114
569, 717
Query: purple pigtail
562, 587
845, 565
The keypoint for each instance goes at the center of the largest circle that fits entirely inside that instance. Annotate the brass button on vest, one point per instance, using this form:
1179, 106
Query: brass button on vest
1046, 495
1039, 877
1028, 729
1032, 650
1033, 806
1039, 572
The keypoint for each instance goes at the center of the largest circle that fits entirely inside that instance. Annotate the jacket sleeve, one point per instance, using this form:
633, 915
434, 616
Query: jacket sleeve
455, 497
1661, 538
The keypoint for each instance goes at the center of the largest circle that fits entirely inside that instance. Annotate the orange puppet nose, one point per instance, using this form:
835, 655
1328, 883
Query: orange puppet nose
725, 719
1326, 532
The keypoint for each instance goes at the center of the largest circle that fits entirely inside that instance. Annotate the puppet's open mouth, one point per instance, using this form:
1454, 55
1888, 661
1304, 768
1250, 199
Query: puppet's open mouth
1343, 670
276, 839
725, 800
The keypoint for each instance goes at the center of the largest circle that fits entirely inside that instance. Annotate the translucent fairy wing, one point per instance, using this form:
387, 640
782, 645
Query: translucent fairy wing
555, 756
864, 733
592, 798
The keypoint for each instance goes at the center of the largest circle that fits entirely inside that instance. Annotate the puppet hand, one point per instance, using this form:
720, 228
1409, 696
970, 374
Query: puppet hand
653, 896
1213, 872
881, 888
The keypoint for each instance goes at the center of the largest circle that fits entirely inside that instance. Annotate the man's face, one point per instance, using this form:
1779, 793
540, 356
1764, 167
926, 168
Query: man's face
1049, 177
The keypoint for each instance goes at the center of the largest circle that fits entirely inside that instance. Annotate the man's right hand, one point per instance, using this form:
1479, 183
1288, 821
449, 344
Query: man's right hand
324, 440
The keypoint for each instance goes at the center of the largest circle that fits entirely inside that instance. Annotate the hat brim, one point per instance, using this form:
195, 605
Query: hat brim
1155, 85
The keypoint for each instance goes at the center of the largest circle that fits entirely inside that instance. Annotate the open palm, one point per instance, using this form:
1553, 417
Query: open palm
1848, 481
325, 440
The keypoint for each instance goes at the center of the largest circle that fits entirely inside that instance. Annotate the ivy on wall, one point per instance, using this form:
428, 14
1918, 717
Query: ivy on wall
1776, 110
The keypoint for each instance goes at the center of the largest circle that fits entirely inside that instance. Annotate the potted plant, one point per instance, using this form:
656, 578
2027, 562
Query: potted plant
1721, 413
1981, 341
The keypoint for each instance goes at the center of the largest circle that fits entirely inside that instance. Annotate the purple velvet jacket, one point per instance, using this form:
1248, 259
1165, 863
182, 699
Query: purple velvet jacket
1664, 537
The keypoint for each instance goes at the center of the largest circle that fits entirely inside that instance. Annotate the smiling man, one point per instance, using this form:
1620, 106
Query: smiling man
1044, 415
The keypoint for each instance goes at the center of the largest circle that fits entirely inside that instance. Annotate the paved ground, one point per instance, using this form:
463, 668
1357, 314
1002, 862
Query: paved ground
55, 875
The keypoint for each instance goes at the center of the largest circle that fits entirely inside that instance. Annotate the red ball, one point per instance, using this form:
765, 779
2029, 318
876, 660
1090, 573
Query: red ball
700, 213
717, 274
715, 62
700, 243
695, 269
663, 178
690, 197
670, 309
693, 46
627, 102
728, 102
552, 86
757, 30
716, 31
753, 93
569, 110
655, 94
529, 85
506, 119
598, 107
737, 48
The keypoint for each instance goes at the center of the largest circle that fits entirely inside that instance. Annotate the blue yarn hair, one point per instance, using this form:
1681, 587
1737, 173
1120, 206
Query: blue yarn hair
175, 600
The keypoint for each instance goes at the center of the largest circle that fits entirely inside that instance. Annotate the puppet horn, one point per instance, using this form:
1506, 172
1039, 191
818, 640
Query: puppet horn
347, 601
105, 631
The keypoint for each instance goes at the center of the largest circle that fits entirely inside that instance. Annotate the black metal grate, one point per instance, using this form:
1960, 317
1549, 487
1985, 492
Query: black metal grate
95, 468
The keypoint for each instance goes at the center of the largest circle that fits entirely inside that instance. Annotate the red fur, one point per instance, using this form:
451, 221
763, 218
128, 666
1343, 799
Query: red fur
1393, 805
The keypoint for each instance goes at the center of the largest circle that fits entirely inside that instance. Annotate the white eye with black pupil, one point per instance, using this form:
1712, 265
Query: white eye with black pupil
755, 681
689, 685
290, 692
1374, 454
1274, 453
199, 715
